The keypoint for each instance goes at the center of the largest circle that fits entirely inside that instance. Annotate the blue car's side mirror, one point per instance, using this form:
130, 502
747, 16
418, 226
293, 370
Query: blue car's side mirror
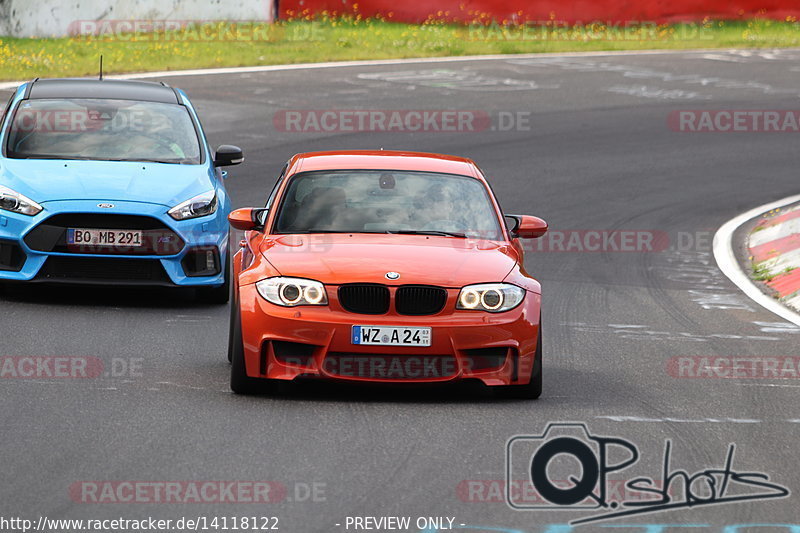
228, 155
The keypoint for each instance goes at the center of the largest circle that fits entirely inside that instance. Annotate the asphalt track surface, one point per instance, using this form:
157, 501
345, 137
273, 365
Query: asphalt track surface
598, 155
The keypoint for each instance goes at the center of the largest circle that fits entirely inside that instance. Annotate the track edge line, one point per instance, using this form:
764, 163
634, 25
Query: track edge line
722, 247
5, 85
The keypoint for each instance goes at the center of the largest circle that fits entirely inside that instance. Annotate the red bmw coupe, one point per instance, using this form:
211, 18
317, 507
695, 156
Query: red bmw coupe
384, 267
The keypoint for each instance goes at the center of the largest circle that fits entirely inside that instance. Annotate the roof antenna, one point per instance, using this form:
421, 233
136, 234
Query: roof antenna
101, 67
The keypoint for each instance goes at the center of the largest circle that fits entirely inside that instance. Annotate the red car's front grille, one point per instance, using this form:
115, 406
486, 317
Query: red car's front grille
390, 366
419, 300
364, 298
374, 299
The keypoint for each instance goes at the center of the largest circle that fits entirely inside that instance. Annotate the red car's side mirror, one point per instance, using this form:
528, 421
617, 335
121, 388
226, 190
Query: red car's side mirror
246, 218
528, 227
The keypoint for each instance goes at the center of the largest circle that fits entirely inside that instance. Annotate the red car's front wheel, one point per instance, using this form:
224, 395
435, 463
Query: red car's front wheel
533, 389
241, 383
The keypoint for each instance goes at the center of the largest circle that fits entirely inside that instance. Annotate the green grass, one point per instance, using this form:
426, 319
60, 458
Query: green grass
762, 273
349, 38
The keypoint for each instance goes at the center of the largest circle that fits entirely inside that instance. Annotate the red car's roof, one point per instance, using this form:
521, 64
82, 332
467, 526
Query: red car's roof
383, 160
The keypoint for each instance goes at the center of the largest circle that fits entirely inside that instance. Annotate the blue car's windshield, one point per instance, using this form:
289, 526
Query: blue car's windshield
390, 201
106, 130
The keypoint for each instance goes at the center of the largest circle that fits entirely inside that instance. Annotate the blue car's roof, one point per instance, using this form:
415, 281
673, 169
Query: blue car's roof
146, 91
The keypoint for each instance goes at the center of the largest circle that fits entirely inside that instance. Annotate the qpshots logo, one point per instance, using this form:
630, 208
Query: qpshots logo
569, 468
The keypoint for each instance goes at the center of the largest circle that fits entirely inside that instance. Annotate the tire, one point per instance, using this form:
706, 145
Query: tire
241, 383
233, 318
533, 389
11, 288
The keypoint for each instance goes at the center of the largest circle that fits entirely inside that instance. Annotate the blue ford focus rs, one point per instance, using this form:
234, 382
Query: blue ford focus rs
112, 182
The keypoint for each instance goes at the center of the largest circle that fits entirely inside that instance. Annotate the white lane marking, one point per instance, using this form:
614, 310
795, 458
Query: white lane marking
188, 319
726, 259
752, 56
769, 385
717, 300
635, 332
644, 73
643, 91
704, 283
726, 58
180, 385
777, 327
379, 62
681, 420
455, 79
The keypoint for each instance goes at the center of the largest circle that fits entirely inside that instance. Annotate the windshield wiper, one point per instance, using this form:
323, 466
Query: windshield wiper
141, 160
388, 232
45, 156
343, 232
428, 232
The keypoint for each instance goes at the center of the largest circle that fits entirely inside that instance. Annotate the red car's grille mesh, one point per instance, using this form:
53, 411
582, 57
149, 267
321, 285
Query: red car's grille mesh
419, 300
374, 299
364, 298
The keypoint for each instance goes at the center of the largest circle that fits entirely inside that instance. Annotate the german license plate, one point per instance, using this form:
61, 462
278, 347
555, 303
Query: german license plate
391, 336
104, 237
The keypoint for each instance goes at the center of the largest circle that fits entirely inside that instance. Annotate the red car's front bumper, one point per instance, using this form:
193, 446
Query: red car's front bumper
288, 342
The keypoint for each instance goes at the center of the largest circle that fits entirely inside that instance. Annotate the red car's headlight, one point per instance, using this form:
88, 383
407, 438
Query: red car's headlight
491, 297
291, 292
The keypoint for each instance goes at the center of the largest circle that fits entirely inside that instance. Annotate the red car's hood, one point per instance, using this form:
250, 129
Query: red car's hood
365, 258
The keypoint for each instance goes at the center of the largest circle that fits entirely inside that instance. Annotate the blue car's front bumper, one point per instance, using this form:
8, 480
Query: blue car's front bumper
33, 248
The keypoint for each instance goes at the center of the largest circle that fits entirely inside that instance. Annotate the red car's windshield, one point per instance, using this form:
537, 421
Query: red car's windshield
376, 201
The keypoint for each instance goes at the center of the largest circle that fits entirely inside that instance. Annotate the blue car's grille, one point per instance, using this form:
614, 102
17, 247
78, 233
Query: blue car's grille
51, 234
99, 270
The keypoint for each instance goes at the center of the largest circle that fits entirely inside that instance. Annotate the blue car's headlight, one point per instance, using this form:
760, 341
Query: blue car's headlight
15, 202
492, 297
199, 206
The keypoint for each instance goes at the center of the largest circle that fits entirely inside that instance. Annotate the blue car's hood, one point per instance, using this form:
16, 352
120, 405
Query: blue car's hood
49, 180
